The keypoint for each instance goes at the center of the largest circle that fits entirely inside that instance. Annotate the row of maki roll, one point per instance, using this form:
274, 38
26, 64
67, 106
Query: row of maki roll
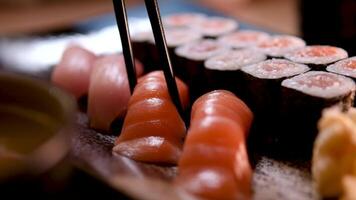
209, 27
190, 63
145, 49
224, 70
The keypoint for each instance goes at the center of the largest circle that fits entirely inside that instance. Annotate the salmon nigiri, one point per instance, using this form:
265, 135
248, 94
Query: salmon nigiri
109, 91
153, 131
73, 71
214, 163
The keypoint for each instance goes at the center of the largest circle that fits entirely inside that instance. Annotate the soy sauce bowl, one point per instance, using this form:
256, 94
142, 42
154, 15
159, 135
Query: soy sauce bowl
35, 126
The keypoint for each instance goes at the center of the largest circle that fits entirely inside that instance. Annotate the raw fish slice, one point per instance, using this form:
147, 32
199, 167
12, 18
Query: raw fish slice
211, 104
153, 130
109, 91
73, 71
149, 149
213, 183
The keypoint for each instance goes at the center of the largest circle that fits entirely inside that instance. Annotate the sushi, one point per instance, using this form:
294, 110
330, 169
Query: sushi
261, 87
145, 50
73, 71
223, 71
180, 20
153, 131
277, 46
243, 38
108, 92
302, 101
213, 27
214, 163
344, 67
317, 56
190, 63
174, 37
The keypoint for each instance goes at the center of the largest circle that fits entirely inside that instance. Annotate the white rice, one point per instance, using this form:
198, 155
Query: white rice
179, 36
244, 38
186, 19
272, 46
303, 55
207, 26
234, 60
278, 68
143, 36
341, 67
341, 86
196, 50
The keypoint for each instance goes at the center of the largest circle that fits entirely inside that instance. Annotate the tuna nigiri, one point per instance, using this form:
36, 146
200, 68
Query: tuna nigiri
214, 162
153, 131
73, 71
108, 91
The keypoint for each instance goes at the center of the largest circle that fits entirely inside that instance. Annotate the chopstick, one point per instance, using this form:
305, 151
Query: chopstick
122, 24
158, 32
160, 39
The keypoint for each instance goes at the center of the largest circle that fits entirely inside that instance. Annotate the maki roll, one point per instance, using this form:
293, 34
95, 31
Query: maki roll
213, 27
277, 46
262, 82
180, 20
303, 99
144, 49
317, 56
190, 63
174, 37
346, 67
243, 38
223, 71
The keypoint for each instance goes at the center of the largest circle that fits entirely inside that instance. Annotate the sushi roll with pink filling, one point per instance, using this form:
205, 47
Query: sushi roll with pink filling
223, 71
213, 27
180, 20
174, 37
262, 83
190, 63
109, 92
145, 50
346, 67
243, 38
303, 99
279, 45
317, 56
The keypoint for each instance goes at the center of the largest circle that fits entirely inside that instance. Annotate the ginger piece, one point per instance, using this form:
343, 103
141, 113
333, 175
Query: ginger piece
334, 151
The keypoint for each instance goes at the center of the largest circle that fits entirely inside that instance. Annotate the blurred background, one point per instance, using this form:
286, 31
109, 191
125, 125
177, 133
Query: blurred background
300, 17
319, 22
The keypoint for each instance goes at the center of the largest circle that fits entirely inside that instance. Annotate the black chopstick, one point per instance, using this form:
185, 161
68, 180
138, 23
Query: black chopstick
122, 24
158, 32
